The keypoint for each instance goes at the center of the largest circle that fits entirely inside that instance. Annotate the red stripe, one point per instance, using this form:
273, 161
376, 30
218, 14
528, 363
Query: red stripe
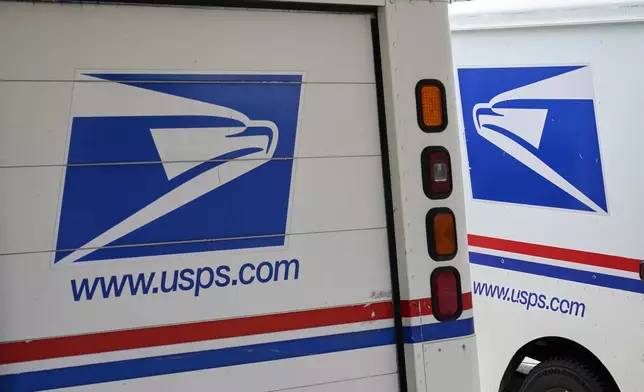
467, 301
185, 333
423, 306
551, 252
416, 307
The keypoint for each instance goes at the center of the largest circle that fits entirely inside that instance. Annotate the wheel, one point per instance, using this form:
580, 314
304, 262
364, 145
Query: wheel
563, 375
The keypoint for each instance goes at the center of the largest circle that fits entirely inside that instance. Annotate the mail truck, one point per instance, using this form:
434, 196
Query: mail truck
550, 103
231, 196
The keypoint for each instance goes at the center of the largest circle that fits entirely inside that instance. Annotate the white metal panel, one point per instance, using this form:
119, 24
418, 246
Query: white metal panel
444, 357
349, 200
611, 327
501, 14
66, 37
33, 139
300, 374
29, 208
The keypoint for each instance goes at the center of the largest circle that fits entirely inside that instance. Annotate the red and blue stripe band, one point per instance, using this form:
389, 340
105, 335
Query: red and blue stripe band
60, 347
570, 256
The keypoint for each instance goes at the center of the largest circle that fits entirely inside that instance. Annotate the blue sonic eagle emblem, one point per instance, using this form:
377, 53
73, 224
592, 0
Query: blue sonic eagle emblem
177, 163
531, 136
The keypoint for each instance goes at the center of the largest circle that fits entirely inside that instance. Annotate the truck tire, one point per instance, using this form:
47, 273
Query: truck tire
563, 375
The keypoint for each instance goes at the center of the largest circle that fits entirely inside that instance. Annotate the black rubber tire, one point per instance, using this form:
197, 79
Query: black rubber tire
563, 375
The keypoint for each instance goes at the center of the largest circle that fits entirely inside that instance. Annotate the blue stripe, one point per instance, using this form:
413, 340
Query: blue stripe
438, 331
186, 362
551, 271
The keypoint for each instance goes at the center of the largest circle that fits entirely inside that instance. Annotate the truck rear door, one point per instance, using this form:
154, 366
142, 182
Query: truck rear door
189, 190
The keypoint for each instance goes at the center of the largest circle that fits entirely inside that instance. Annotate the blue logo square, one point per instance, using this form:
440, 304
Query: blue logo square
177, 163
531, 136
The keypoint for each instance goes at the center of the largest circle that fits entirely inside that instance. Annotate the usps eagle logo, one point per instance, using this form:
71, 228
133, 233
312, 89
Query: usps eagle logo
531, 136
176, 163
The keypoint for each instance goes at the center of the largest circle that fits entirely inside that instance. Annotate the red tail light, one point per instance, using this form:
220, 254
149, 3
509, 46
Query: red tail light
447, 299
437, 172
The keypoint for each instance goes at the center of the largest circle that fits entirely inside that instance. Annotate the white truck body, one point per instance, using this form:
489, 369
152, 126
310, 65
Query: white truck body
550, 96
202, 198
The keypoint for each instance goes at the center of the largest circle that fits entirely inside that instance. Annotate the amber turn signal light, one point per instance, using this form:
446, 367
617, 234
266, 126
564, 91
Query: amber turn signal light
431, 106
441, 234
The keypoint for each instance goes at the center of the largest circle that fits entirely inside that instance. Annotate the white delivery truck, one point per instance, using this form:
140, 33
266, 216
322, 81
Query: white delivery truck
251, 198
551, 96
